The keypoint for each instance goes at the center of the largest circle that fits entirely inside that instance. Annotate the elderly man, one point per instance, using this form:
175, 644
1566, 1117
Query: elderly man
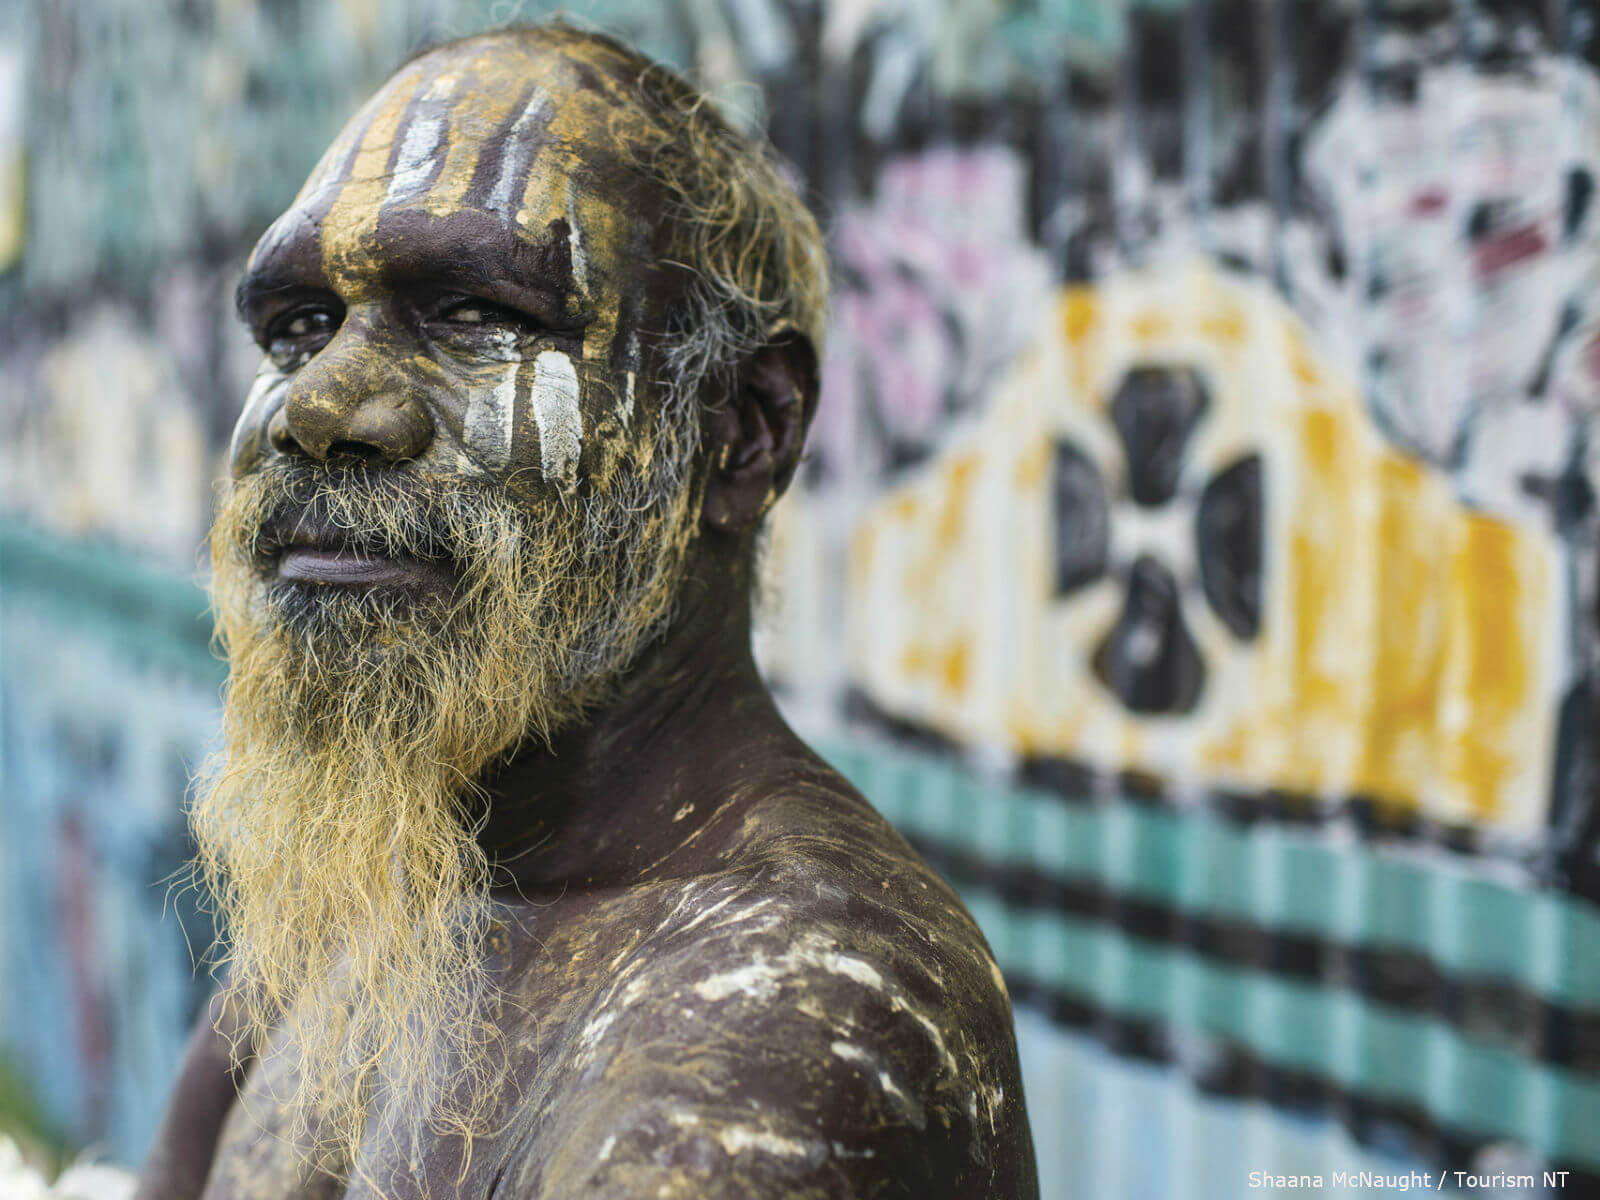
530, 891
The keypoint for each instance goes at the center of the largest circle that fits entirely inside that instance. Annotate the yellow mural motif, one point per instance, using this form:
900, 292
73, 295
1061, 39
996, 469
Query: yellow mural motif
1401, 647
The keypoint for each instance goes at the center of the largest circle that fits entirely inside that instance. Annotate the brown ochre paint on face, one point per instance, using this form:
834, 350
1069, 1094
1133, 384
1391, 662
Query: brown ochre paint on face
485, 259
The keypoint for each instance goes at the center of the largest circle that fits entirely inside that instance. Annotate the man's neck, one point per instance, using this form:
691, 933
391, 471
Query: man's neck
604, 803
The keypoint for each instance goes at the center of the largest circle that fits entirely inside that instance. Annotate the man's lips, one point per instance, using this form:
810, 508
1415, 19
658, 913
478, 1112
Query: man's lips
355, 568
305, 549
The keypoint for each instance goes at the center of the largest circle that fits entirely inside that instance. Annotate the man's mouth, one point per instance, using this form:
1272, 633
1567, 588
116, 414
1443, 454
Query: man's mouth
343, 566
325, 557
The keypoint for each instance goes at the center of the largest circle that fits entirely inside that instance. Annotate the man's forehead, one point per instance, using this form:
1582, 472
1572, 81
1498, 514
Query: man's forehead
529, 133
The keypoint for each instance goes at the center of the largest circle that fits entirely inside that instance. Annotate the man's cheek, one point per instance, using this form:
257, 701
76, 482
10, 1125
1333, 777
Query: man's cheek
524, 416
553, 400
489, 425
266, 396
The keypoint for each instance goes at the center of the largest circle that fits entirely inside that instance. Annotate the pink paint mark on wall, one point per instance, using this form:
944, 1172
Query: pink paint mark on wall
936, 278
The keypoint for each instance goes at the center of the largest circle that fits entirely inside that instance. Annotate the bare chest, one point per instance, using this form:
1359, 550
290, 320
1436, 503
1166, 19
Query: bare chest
554, 980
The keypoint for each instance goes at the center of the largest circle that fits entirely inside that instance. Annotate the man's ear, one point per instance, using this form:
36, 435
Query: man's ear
754, 437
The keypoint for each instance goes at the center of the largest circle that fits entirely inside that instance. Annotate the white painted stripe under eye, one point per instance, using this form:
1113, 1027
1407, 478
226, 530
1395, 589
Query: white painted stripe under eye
555, 410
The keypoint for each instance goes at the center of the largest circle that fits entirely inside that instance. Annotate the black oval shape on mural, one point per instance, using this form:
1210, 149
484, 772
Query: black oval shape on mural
1082, 535
1155, 410
1149, 660
1228, 530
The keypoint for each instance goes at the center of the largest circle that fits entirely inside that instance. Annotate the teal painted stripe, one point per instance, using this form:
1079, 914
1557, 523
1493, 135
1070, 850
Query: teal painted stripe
145, 611
1361, 1045
1281, 879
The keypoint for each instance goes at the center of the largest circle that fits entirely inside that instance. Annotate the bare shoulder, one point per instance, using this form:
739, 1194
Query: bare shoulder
203, 1095
820, 1018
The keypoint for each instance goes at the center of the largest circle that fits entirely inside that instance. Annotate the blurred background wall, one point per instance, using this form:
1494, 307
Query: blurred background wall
1195, 556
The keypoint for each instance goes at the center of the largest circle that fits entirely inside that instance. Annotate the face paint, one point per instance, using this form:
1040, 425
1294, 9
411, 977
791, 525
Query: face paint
463, 289
580, 261
489, 180
491, 420
515, 158
629, 375
555, 409
423, 142
266, 392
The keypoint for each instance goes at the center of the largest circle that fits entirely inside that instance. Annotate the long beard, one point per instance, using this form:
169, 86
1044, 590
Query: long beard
336, 830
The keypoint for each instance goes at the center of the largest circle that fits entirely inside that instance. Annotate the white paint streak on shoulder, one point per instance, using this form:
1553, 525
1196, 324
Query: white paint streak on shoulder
555, 410
840, 1150
897, 1095
999, 979
745, 915
758, 979
851, 1052
710, 911
740, 1139
595, 1029
854, 968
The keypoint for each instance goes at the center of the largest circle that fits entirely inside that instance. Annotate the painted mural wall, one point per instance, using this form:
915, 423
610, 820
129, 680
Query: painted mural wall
1195, 556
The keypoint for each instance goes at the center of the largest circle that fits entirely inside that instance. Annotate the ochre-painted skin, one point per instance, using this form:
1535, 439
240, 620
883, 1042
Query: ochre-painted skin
724, 975
465, 277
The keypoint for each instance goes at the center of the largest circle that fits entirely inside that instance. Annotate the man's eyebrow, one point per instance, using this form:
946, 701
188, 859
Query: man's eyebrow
253, 288
480, 253
282, 267
473, 251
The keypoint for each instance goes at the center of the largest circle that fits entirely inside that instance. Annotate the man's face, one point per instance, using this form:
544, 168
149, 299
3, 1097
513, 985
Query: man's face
468, 281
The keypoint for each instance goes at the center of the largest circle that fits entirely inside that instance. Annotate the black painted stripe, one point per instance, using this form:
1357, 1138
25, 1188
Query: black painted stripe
1224, 1070
1486, 1009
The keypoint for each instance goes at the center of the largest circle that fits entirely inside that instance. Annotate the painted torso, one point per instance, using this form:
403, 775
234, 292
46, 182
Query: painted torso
809, 1012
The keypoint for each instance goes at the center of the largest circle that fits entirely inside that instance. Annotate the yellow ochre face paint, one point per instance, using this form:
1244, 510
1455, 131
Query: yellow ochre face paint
474, 254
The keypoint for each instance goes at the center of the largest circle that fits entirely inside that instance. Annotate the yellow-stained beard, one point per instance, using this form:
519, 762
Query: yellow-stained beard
336, 829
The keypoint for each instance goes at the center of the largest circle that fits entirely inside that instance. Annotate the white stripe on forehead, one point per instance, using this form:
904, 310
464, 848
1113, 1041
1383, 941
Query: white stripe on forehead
580, 260
555, 410
413, 167
514, 153
423, 141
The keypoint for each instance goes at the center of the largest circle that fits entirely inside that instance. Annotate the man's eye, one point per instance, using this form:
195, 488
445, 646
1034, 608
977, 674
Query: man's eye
298, 334
483, 314
465, 314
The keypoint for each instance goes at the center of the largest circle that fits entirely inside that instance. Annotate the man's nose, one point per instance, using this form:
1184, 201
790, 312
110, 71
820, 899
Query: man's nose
351, 399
